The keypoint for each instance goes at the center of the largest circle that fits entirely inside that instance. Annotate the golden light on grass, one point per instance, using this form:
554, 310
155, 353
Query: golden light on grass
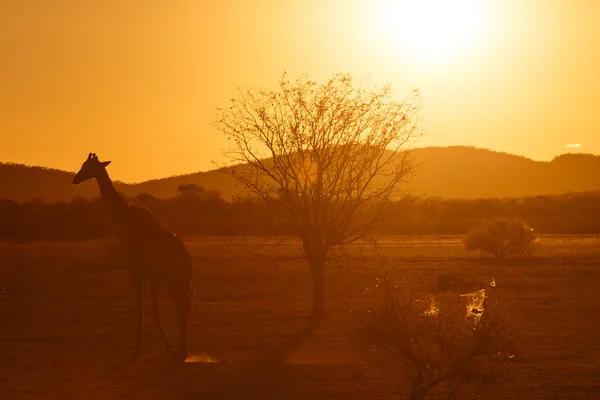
433, 309
201, 358
475, 304
430, 29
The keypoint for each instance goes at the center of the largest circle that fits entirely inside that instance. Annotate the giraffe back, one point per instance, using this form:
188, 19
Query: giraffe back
152, 248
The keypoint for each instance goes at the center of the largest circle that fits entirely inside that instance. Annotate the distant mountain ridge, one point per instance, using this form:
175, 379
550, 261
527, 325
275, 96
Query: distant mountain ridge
449, 172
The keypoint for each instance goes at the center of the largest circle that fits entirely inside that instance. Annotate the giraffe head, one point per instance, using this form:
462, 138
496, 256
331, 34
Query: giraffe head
91, 168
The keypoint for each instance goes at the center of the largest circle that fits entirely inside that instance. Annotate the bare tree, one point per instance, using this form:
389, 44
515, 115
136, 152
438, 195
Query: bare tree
330, 155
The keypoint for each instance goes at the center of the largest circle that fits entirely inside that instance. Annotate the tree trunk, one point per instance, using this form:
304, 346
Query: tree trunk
317, 266
316, 255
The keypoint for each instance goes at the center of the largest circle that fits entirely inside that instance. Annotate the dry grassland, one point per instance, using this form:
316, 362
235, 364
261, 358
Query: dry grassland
67, 324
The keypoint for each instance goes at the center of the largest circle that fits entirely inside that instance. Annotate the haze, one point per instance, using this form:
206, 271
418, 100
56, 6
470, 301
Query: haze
137, 82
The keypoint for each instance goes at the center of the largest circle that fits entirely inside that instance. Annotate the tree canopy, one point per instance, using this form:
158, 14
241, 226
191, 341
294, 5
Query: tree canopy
330, 155
329, 152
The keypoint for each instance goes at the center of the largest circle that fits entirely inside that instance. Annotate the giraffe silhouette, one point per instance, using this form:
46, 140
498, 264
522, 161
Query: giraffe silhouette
153, 254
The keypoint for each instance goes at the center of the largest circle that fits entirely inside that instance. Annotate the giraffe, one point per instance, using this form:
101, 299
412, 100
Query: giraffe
153, 254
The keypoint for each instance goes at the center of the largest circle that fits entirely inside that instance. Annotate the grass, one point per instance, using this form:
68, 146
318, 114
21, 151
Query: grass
67, 324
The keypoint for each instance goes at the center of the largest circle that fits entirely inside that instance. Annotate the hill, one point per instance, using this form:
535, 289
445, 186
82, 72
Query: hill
20, 182
466, 172
449, 172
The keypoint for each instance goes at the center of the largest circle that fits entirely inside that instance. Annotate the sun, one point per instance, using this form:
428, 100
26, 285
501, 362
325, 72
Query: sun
430, 29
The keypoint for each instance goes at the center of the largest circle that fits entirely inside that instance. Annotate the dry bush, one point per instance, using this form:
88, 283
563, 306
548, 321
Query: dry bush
501, 237
450, 345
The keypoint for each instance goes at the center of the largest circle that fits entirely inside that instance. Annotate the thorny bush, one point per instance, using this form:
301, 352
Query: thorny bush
450, 345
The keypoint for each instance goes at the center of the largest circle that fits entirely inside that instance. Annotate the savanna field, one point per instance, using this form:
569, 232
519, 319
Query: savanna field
67, 323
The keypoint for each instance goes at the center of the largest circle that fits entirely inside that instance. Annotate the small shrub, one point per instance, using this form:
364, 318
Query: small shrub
447, 346
501, 237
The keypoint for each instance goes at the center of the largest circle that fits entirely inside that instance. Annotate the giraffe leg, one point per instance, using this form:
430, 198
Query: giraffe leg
139, 312
184, 312
156, 315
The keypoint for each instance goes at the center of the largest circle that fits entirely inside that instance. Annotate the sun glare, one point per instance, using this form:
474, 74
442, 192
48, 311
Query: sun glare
430, 29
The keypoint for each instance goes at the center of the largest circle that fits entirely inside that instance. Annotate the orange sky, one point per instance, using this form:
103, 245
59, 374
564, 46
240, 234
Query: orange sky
138, 81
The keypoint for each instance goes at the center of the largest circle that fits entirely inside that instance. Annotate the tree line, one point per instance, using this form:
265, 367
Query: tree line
194, 211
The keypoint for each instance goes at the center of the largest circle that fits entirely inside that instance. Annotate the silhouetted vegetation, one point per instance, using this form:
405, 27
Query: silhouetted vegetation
35, 220
328, 157
449, 345
501, 237
208, 214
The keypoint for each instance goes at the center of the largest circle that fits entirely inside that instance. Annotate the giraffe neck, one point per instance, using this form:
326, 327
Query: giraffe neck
114, 202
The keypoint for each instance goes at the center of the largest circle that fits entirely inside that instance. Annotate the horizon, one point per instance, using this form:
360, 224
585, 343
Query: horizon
116, 77
117, 179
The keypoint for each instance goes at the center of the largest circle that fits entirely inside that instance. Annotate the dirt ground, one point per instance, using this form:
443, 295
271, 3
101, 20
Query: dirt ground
67, 321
